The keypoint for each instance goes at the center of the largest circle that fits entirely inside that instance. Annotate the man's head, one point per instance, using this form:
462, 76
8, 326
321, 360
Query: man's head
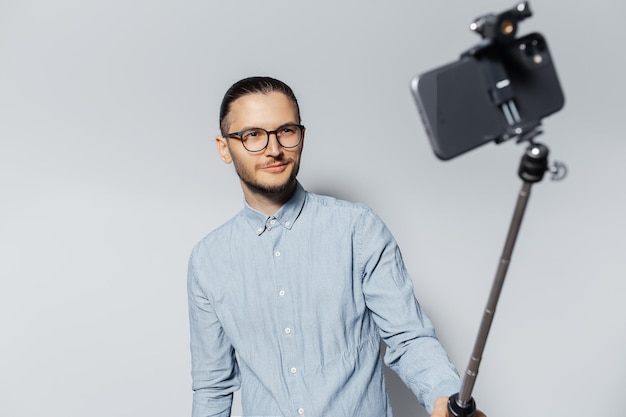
261, 134
253, 85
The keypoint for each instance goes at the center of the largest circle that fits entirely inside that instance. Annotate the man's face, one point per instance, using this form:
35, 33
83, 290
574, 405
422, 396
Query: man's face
274, 169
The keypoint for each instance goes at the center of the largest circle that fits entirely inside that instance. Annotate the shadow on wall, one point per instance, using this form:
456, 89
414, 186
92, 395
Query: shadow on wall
403, 402
339, 191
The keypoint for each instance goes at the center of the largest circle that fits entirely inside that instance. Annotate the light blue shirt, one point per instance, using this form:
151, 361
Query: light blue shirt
291, 308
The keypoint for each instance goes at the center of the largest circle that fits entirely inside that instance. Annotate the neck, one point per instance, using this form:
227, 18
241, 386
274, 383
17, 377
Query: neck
267, 203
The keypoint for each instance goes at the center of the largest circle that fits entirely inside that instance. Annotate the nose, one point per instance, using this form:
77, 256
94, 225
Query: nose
273, 147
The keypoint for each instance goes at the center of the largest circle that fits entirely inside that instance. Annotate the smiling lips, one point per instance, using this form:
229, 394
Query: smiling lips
276, 167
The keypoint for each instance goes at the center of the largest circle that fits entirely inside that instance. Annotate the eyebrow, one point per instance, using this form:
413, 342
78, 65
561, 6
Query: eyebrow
258, 127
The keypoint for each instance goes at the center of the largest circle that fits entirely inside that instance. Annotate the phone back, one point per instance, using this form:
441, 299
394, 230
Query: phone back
457, 105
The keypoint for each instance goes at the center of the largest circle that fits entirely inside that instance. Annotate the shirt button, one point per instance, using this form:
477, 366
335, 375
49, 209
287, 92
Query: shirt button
287, 330
293, 370
260, 229
281, 293
277, 253
287, 224
300, 411
272, 221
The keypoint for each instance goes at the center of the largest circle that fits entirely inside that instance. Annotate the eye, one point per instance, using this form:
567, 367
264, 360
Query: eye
288, 129
251, 134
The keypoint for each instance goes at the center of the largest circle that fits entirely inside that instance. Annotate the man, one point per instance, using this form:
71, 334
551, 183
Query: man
289, 299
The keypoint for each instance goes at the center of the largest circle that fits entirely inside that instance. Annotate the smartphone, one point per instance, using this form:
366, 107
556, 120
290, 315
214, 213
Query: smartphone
492, 93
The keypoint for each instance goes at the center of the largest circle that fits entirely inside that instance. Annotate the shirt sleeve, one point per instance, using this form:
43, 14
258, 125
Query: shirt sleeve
413, 350
214, 370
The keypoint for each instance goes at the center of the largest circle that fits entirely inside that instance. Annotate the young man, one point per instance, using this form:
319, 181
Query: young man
290, 298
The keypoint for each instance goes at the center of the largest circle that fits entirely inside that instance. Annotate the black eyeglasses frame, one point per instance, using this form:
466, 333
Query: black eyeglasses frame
239, 136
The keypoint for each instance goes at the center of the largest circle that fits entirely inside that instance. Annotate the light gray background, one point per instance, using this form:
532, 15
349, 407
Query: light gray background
109, 175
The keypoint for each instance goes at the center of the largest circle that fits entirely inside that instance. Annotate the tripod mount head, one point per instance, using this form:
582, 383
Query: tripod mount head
501, 27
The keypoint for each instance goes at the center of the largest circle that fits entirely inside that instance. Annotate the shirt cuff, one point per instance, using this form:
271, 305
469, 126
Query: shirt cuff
443, 389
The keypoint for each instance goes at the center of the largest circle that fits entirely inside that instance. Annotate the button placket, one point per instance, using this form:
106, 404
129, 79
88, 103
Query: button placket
290, 338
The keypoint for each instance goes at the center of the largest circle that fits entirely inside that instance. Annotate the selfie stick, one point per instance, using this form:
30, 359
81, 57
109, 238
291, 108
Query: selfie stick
533, 166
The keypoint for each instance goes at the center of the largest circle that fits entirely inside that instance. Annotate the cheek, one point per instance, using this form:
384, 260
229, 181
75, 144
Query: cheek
298, 156
243, 163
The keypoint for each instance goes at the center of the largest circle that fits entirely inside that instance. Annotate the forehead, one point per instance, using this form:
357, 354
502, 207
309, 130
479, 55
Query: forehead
262, 110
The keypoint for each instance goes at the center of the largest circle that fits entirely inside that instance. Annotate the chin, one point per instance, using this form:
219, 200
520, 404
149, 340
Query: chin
280, 187
271, 187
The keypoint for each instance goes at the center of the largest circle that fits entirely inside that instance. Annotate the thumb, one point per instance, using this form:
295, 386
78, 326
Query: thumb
440, 409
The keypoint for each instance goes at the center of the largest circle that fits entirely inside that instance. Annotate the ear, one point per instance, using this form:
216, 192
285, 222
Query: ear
223, 150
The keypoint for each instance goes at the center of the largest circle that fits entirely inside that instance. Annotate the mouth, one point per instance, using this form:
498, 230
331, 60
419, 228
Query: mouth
275, 167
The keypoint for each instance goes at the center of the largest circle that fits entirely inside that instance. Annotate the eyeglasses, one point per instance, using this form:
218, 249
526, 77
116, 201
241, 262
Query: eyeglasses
256, 139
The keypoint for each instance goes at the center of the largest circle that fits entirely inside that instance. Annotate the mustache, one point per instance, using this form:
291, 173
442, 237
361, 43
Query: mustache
275, 161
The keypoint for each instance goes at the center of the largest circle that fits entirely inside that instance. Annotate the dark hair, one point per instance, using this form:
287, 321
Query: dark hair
252, 85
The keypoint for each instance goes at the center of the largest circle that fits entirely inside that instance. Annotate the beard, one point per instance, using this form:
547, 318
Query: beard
265, 188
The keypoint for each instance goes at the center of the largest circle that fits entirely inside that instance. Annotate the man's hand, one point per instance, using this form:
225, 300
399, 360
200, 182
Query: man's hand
441, 409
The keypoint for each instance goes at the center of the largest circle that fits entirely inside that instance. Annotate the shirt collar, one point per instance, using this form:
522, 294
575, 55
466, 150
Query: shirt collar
286, 216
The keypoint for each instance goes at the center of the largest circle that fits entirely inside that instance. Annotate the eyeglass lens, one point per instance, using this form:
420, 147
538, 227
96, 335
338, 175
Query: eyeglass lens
256, 139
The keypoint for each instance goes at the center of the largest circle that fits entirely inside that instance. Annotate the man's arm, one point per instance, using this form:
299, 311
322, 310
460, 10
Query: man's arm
214, 370
413, 352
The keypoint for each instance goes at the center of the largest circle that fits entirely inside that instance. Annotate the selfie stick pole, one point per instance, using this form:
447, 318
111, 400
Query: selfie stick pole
533, 166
